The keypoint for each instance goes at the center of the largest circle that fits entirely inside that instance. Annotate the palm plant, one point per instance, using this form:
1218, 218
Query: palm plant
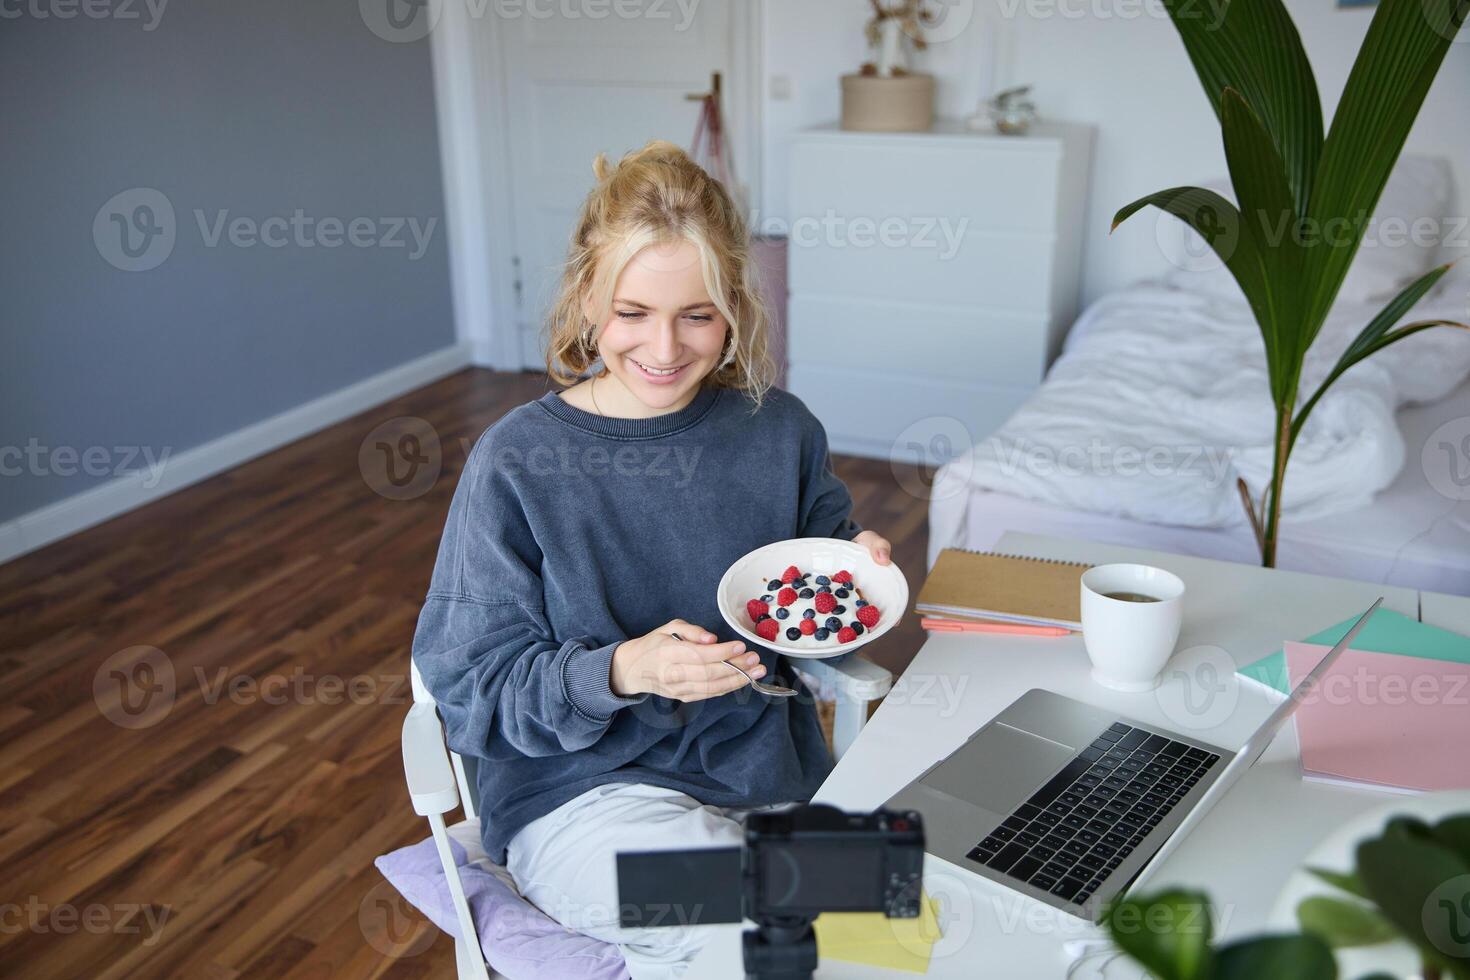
1304, 200
1410, 885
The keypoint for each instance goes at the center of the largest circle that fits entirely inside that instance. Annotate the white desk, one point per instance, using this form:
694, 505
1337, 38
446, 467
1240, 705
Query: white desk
1451, 612
1241, 853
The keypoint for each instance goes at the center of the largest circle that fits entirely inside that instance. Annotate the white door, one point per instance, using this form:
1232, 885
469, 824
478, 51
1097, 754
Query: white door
577, 85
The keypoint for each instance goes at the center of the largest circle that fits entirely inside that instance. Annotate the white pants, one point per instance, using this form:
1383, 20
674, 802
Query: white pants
565, 863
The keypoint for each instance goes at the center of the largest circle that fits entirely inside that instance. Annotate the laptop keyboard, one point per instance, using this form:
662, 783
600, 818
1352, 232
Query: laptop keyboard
1070, 835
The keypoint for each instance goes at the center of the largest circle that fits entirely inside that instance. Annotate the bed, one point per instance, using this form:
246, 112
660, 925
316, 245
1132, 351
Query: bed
1172, 373
1410, 535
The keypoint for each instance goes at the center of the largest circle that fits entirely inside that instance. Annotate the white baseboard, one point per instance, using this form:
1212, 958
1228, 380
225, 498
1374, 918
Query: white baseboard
118, 496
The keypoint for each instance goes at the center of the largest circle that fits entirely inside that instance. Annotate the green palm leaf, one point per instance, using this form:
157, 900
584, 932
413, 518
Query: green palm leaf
1405, 45
1377, 335
1268, 218
1253, 47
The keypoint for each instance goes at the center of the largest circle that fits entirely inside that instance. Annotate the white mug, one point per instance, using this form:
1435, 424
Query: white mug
1129, 641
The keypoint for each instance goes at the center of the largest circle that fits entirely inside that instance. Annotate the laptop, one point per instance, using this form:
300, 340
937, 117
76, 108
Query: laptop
1069, 804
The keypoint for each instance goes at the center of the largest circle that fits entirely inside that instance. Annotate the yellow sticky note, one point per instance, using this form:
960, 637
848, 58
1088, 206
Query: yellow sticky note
875, 939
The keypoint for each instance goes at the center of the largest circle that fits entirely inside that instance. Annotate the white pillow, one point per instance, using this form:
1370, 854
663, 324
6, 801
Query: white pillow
1402, 242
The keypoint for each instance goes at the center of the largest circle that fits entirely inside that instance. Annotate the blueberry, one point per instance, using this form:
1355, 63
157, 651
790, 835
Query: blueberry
809, 614
762, 617
839, 609
782, 613
774, 584
833, 623
768, 598
861, 603
856, 627
823, 580
820, 635
841, 593
806, 593
793, 633
825, 588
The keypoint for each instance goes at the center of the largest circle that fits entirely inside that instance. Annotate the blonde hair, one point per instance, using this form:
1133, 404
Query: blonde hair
658, 195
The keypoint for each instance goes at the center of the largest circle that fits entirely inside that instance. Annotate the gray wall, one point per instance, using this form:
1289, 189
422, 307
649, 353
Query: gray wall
256, 109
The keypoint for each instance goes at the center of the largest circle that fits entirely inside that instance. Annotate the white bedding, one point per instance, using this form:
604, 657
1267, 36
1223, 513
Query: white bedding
1160, 400
1412, 534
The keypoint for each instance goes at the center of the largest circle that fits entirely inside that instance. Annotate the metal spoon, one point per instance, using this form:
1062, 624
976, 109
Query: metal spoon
773, 690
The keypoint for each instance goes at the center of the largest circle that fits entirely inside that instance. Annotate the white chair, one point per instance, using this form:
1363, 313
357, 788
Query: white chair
440, 780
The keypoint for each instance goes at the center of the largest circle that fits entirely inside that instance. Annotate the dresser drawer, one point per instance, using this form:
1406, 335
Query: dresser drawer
1002, 185
1011, 272
963, 343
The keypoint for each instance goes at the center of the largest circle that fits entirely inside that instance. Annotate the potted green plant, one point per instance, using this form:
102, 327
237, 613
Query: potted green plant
1411, 884
1304, 199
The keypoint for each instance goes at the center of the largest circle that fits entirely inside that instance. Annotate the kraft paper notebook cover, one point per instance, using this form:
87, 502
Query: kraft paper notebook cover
1384, 718
1004, 588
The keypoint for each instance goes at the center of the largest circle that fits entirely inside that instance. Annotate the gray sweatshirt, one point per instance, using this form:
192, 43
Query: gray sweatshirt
571, 532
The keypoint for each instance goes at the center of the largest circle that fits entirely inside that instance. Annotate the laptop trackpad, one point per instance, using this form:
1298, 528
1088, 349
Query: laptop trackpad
999, 768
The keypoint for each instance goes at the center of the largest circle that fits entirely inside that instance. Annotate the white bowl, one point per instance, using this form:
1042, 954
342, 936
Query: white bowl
882, 585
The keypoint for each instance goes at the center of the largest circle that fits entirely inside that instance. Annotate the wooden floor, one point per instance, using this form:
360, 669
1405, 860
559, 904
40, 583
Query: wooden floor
202, 705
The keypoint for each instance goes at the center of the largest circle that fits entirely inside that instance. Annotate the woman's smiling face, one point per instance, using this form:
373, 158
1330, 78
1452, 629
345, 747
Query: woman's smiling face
663, 335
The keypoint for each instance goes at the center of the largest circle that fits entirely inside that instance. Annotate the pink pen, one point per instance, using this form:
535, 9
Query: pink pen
1015, 629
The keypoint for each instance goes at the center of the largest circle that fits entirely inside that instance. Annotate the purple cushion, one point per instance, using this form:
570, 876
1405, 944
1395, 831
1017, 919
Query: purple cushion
519, 940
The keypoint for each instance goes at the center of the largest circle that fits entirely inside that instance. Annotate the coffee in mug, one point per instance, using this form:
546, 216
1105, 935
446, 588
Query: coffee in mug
1131, 616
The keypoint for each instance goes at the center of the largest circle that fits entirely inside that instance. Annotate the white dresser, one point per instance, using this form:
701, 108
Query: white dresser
932, 279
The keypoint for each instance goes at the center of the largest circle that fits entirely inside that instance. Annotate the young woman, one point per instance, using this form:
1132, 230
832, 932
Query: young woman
593, 525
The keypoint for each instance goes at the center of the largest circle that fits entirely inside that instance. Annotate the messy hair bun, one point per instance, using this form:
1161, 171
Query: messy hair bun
659, 195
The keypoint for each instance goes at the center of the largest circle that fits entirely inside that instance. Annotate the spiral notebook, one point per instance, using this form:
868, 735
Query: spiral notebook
983, 585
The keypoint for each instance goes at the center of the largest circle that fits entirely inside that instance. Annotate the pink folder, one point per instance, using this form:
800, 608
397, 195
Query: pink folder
1384, 718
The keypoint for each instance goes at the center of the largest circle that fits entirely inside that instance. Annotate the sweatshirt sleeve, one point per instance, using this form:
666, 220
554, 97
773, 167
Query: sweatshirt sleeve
826, 505
484, 645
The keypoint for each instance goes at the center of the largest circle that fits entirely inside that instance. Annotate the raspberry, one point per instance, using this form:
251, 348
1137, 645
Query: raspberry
843, 576
808, 627
846, 635
785, 597
755, 609
825, 602
791, 574
766, 629
868, 616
